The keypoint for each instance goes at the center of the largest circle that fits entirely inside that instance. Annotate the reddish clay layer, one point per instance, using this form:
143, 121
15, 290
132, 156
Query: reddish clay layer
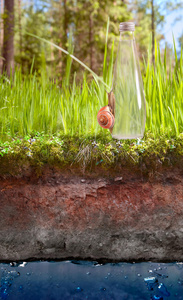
121, 218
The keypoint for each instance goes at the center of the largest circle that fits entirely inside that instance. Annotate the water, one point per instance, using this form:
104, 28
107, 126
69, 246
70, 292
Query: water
73, 280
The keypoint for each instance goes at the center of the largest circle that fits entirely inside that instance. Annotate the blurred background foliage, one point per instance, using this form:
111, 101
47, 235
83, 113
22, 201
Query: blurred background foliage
85, 20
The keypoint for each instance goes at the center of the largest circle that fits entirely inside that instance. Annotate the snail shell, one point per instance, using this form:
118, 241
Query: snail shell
105, 118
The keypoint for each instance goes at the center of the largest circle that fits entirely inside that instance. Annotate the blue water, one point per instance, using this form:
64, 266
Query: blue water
91, 280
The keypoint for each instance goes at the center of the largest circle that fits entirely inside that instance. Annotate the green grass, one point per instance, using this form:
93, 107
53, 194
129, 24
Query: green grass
31, 104
164, 95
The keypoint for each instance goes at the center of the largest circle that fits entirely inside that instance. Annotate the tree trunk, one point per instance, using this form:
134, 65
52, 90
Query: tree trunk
8, 42
2, 31
153, 31
91, 42
60, 43
65, 27
20, 26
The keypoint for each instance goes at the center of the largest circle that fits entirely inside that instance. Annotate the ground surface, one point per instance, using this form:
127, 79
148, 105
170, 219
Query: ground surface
64, 214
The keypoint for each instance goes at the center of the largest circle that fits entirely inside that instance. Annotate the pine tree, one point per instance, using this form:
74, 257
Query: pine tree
2, 34
33, 51
8, 41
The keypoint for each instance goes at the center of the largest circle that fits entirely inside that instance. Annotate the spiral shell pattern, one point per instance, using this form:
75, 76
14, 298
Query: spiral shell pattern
105, 118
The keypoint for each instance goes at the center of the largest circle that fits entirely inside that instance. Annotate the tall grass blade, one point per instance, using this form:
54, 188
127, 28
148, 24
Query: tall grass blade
95, 76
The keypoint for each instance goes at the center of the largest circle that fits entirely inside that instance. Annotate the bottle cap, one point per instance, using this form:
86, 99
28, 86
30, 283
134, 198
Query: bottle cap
127, 26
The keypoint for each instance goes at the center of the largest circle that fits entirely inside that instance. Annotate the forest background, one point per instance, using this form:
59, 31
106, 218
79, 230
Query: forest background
84, 21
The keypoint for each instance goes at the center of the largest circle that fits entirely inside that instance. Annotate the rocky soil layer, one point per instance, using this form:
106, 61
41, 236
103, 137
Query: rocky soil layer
121, 217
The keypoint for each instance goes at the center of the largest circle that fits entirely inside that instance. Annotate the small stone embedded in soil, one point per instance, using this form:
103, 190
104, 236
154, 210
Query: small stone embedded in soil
118, 178
83, 180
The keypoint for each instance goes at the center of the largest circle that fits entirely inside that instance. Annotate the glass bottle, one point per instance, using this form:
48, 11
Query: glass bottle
129, 108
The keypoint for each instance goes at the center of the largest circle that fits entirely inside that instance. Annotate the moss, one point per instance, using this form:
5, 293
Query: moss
89, 153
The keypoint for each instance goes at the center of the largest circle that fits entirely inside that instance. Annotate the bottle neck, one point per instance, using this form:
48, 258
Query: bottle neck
126, 35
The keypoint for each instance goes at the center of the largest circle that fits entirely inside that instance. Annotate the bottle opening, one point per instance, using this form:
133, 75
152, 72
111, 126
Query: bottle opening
127, 26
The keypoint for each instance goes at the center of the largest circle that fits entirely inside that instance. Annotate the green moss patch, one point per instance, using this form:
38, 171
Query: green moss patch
89, 153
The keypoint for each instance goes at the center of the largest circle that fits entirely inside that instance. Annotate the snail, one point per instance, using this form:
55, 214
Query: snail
105, 118
106, 114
